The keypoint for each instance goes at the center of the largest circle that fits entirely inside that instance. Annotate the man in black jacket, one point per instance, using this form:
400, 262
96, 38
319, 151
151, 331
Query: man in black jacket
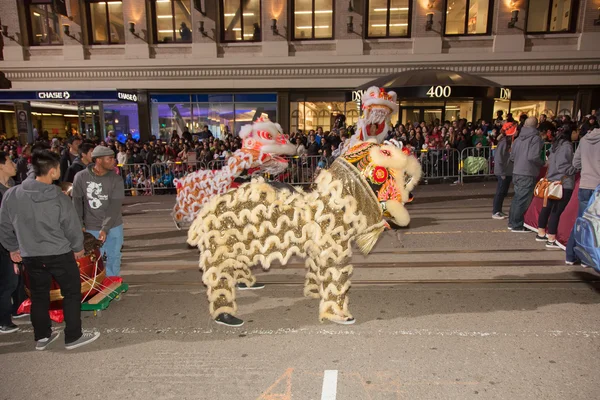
80, 162
69, 155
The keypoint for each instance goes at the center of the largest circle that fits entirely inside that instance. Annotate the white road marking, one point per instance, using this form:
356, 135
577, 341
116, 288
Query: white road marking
159, 209
329, 385
143, 203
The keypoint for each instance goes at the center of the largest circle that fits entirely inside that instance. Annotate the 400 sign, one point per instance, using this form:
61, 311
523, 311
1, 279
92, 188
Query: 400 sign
439, 91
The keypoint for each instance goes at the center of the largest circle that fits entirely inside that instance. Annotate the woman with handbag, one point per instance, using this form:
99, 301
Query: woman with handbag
560, 173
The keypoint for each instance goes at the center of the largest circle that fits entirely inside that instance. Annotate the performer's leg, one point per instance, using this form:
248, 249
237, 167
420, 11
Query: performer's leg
311, 283
335, 282
244, 278
221, 295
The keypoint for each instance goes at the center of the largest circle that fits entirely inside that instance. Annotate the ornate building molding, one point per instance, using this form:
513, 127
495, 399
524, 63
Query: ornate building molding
347, 71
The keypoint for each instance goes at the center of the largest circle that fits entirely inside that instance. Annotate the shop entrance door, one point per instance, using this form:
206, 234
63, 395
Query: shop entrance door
90, 120
418, 114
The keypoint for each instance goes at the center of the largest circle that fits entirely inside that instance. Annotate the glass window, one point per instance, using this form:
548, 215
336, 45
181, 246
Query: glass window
122, 119
458, 109
467, 17
240, 20
313, 19
388, 18
44, 24
550, 16
105, 19
172, 21
533, 108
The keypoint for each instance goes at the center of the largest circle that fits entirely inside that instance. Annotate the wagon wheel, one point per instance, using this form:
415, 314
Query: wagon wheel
97, 313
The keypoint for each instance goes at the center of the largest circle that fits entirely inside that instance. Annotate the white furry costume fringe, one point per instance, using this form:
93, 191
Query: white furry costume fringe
257, 223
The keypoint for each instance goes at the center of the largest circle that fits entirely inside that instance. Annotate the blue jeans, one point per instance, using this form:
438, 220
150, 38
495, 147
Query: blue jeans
112, 249
583, 196
501, 192
524, 186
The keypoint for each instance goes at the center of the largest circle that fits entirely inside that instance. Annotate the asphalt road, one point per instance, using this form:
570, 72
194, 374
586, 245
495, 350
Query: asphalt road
455, 307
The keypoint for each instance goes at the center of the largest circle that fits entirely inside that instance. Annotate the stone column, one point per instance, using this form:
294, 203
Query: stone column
14, 45
137, 11
205, 45
509, 40
349, 43
275, 45
589, 36
424, 41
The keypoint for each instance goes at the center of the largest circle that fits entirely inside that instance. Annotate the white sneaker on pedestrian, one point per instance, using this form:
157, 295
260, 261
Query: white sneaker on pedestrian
498, 216
552, 245
86, 338
570, 262
43, 344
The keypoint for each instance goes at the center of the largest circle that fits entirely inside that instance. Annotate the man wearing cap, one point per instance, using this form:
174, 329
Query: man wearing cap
98, 194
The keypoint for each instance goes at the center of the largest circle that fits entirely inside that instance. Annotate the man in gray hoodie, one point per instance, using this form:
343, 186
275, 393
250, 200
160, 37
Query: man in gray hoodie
587, 159
39, 227
98, 194
526, 156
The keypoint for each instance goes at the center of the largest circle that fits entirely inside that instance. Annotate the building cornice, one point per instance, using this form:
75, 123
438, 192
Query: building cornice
293, 71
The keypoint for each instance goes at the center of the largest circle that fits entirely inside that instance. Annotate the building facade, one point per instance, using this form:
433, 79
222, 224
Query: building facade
148, 67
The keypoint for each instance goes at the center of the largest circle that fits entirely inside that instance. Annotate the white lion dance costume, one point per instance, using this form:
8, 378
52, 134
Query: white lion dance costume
261, 140
258, 223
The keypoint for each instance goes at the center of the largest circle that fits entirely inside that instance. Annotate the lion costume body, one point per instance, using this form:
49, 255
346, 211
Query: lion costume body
258, 223
263, 140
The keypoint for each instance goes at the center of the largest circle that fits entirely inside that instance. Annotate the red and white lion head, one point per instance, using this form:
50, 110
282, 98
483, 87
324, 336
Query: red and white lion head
266, 137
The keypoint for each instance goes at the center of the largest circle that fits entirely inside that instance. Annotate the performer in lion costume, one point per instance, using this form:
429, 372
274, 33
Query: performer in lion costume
260, 223
263, 141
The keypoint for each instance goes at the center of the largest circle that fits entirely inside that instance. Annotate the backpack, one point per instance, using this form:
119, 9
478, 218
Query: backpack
587, 233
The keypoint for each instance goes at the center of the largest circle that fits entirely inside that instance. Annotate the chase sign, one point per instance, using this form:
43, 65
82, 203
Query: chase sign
127, 96
64, 95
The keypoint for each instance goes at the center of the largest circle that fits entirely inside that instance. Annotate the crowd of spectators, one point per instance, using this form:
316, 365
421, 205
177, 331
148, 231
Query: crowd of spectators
156, 163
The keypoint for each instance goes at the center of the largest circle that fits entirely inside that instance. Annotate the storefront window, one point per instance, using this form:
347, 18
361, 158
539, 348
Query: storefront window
245, 113
458, 110
105, 21
43, 23
122, 119
308, 115
240, 20
545, 16
172, 21
388, 18
533, 108
467, 17
313, 19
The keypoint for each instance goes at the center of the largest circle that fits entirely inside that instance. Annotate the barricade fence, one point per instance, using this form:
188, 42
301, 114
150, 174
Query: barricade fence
443, 164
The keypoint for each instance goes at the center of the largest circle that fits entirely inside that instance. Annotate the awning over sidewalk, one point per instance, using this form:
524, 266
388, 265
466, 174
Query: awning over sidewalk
438, 83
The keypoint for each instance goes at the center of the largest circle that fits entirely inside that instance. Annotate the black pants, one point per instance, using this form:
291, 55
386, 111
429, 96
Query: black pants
64, 270
19, 295
501, 193
8, 283
550, 215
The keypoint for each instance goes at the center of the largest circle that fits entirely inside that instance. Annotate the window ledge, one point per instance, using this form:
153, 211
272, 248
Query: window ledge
315, 41
174, 44
552, 35
106, 46
468, 37
389, 39
241, 44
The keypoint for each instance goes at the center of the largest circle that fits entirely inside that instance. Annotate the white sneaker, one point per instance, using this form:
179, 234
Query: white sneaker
86, 338
498, 216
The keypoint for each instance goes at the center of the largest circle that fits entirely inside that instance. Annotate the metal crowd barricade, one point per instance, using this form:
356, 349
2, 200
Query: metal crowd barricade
163, 174
136, 179
440, 164
301, 170
477, 161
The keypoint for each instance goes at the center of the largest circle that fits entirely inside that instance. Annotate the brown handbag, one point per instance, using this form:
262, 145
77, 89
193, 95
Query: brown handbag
546, 189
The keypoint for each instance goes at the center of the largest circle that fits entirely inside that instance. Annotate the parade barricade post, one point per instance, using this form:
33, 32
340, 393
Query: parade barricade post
135, 178
301, 170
